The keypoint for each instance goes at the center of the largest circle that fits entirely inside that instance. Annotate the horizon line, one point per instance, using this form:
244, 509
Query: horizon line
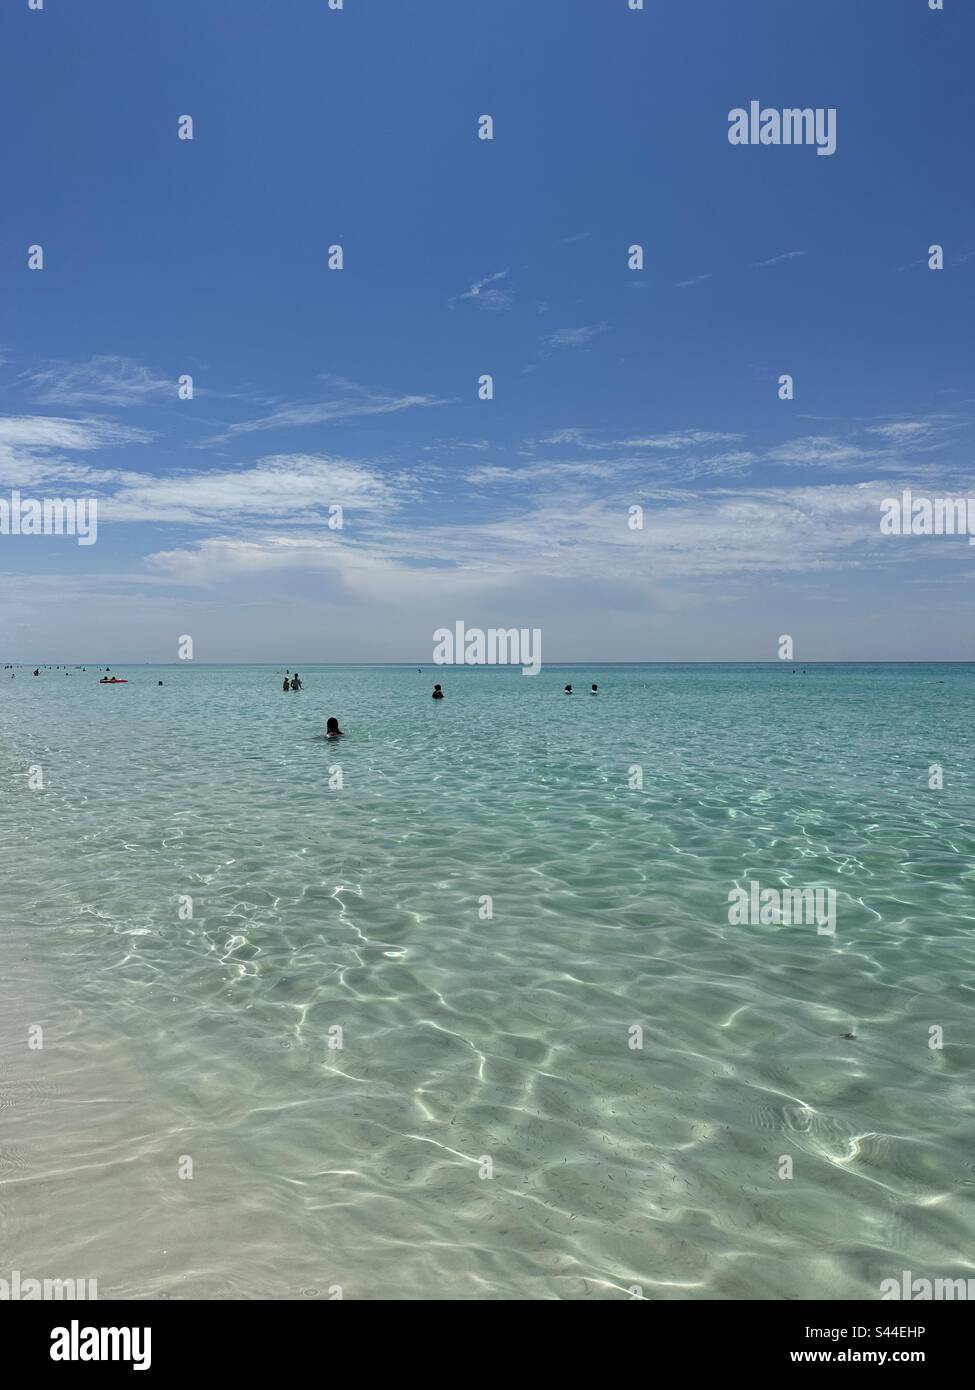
515, 666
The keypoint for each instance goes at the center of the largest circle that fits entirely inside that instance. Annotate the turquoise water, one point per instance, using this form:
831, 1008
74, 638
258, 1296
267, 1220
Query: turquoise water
487, 1130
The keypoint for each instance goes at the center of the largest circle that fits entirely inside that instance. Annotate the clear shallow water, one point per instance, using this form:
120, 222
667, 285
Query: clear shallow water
467, 1039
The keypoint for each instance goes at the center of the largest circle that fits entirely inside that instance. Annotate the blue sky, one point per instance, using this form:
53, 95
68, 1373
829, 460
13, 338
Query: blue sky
359, 387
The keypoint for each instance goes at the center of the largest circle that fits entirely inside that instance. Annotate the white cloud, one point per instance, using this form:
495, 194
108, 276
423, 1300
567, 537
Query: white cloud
566, 436
564, 537
533, 472
29, 446
676, 439
818, 451
732, 462
679, 439
487, 294
109, 380
904, 431
346, 401
300, 487
447, 444
574, 337
777, 260
51, 432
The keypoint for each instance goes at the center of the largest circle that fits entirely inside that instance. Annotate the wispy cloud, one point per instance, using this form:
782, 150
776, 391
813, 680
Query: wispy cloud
346, 401
817, 451
729, 464
777, 260
566, 436
756, 265
904, 431
565, 536
116, 381
52, 432
32, 448
574, 337
487, 294
676, 439
300, 487
537, 472
445, 445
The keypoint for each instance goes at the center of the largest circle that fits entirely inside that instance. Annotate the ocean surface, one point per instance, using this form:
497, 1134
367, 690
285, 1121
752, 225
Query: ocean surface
491, 1126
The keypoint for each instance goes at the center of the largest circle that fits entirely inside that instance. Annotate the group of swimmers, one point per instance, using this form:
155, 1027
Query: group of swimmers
105, 680
593, 690
292, 681
37, 670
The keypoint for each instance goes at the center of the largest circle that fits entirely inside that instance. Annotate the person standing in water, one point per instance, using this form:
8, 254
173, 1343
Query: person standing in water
567, 690
437, 693
296, 681
287, 683
332, 729
594, 690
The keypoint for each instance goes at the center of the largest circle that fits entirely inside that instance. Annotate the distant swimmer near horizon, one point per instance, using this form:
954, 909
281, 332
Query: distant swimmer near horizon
567, 690
594, 690
332, 729
438, 693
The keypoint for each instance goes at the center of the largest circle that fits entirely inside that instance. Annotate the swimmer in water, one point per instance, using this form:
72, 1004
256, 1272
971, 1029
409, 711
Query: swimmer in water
437, 693
567, 690
296, 681
594, 690
332, 729
287, 684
